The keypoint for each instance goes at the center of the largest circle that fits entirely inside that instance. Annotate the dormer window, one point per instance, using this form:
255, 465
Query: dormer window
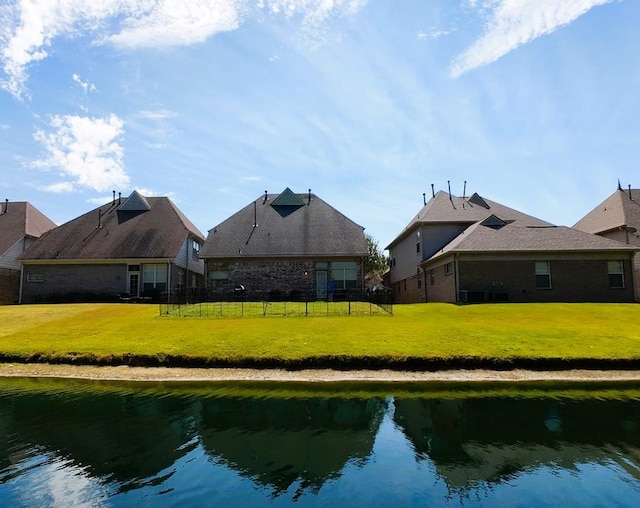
195, 249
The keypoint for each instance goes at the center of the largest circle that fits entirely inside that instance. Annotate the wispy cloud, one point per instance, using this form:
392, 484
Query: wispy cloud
29, 27
513, 23
85, 85
85, 150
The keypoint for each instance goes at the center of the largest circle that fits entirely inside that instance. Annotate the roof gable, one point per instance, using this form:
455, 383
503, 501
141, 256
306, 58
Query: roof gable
298, 225
619, 210
157, 233
135, 203
445, 208
287, 202
19, 219
511, 238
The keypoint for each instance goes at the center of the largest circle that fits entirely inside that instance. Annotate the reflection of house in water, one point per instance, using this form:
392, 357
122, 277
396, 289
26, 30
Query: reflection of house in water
123, 438
277, 442
494, 440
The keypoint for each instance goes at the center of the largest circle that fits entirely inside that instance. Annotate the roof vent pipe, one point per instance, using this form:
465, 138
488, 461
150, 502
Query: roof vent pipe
449, 185
309, 201
424, 198
114, 198
629, 191
255, 214
6, 206
99, 218
464, 190
265, 198
433, 192
119, 197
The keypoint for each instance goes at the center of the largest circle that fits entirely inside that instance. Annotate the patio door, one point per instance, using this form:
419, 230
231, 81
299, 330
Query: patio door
133, 281
321, 284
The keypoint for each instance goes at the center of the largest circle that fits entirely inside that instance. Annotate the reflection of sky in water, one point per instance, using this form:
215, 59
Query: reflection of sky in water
136, 448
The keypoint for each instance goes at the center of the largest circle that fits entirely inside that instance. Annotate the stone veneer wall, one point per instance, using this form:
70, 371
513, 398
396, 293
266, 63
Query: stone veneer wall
287, 278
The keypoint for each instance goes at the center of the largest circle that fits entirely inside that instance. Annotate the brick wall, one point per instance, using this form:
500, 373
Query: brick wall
79, 279
572, 280
9, 286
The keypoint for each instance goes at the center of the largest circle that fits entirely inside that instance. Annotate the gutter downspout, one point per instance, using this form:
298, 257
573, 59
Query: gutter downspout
455, 275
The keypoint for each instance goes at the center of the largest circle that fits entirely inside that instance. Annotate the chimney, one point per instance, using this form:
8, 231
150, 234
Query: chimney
309, 201
119, 197
114, 198
424, 198
433, 192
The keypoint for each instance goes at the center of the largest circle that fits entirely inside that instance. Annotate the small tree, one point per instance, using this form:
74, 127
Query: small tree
375, 262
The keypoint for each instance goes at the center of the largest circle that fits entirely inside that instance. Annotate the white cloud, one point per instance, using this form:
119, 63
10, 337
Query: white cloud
85, 85
513, 23
4, 127
28, 28
58, 188
85, 149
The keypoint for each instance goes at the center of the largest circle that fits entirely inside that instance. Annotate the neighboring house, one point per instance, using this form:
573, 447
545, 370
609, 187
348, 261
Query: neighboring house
617, 218
440, 220
495, 261
473, 249
20, 224
287, 245
138, 248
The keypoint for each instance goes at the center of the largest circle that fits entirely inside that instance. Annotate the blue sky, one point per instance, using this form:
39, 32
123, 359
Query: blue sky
534, 103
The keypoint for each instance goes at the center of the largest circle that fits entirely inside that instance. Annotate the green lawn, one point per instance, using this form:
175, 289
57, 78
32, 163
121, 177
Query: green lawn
503, 332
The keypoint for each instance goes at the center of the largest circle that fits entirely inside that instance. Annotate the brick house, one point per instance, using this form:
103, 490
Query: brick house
495, 261
134, 249
617, 218
474, 249
20, 224
440, 220
285, 245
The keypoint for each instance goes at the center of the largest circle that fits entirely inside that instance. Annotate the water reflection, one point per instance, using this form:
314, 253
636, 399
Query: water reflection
112, 442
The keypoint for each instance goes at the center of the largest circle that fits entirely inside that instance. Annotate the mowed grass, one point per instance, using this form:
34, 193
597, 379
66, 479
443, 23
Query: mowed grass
109, 332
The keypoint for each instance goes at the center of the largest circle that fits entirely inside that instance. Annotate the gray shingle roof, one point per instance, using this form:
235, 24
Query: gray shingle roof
285, 225
444, 209
113, 232
21, 219
479, 238
616, 211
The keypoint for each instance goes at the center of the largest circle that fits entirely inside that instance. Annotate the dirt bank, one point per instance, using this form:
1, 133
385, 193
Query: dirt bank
122, 373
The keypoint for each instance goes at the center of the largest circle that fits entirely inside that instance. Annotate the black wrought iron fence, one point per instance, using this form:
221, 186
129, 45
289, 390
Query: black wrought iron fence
243, 303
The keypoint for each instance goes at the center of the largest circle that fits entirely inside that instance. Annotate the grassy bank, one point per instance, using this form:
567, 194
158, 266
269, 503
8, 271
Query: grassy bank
417, 336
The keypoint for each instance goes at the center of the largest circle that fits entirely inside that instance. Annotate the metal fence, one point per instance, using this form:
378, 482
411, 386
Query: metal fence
241, 304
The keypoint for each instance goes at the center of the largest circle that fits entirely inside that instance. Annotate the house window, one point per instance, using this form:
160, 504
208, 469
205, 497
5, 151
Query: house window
417, 247
432, 278
195, 251
180, 282
543, 275
154, 277
616, 274
448, 269
218, 275
419, 277
345, 274
35, 277
194, 281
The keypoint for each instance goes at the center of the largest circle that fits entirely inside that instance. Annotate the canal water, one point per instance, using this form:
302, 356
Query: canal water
81, 443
